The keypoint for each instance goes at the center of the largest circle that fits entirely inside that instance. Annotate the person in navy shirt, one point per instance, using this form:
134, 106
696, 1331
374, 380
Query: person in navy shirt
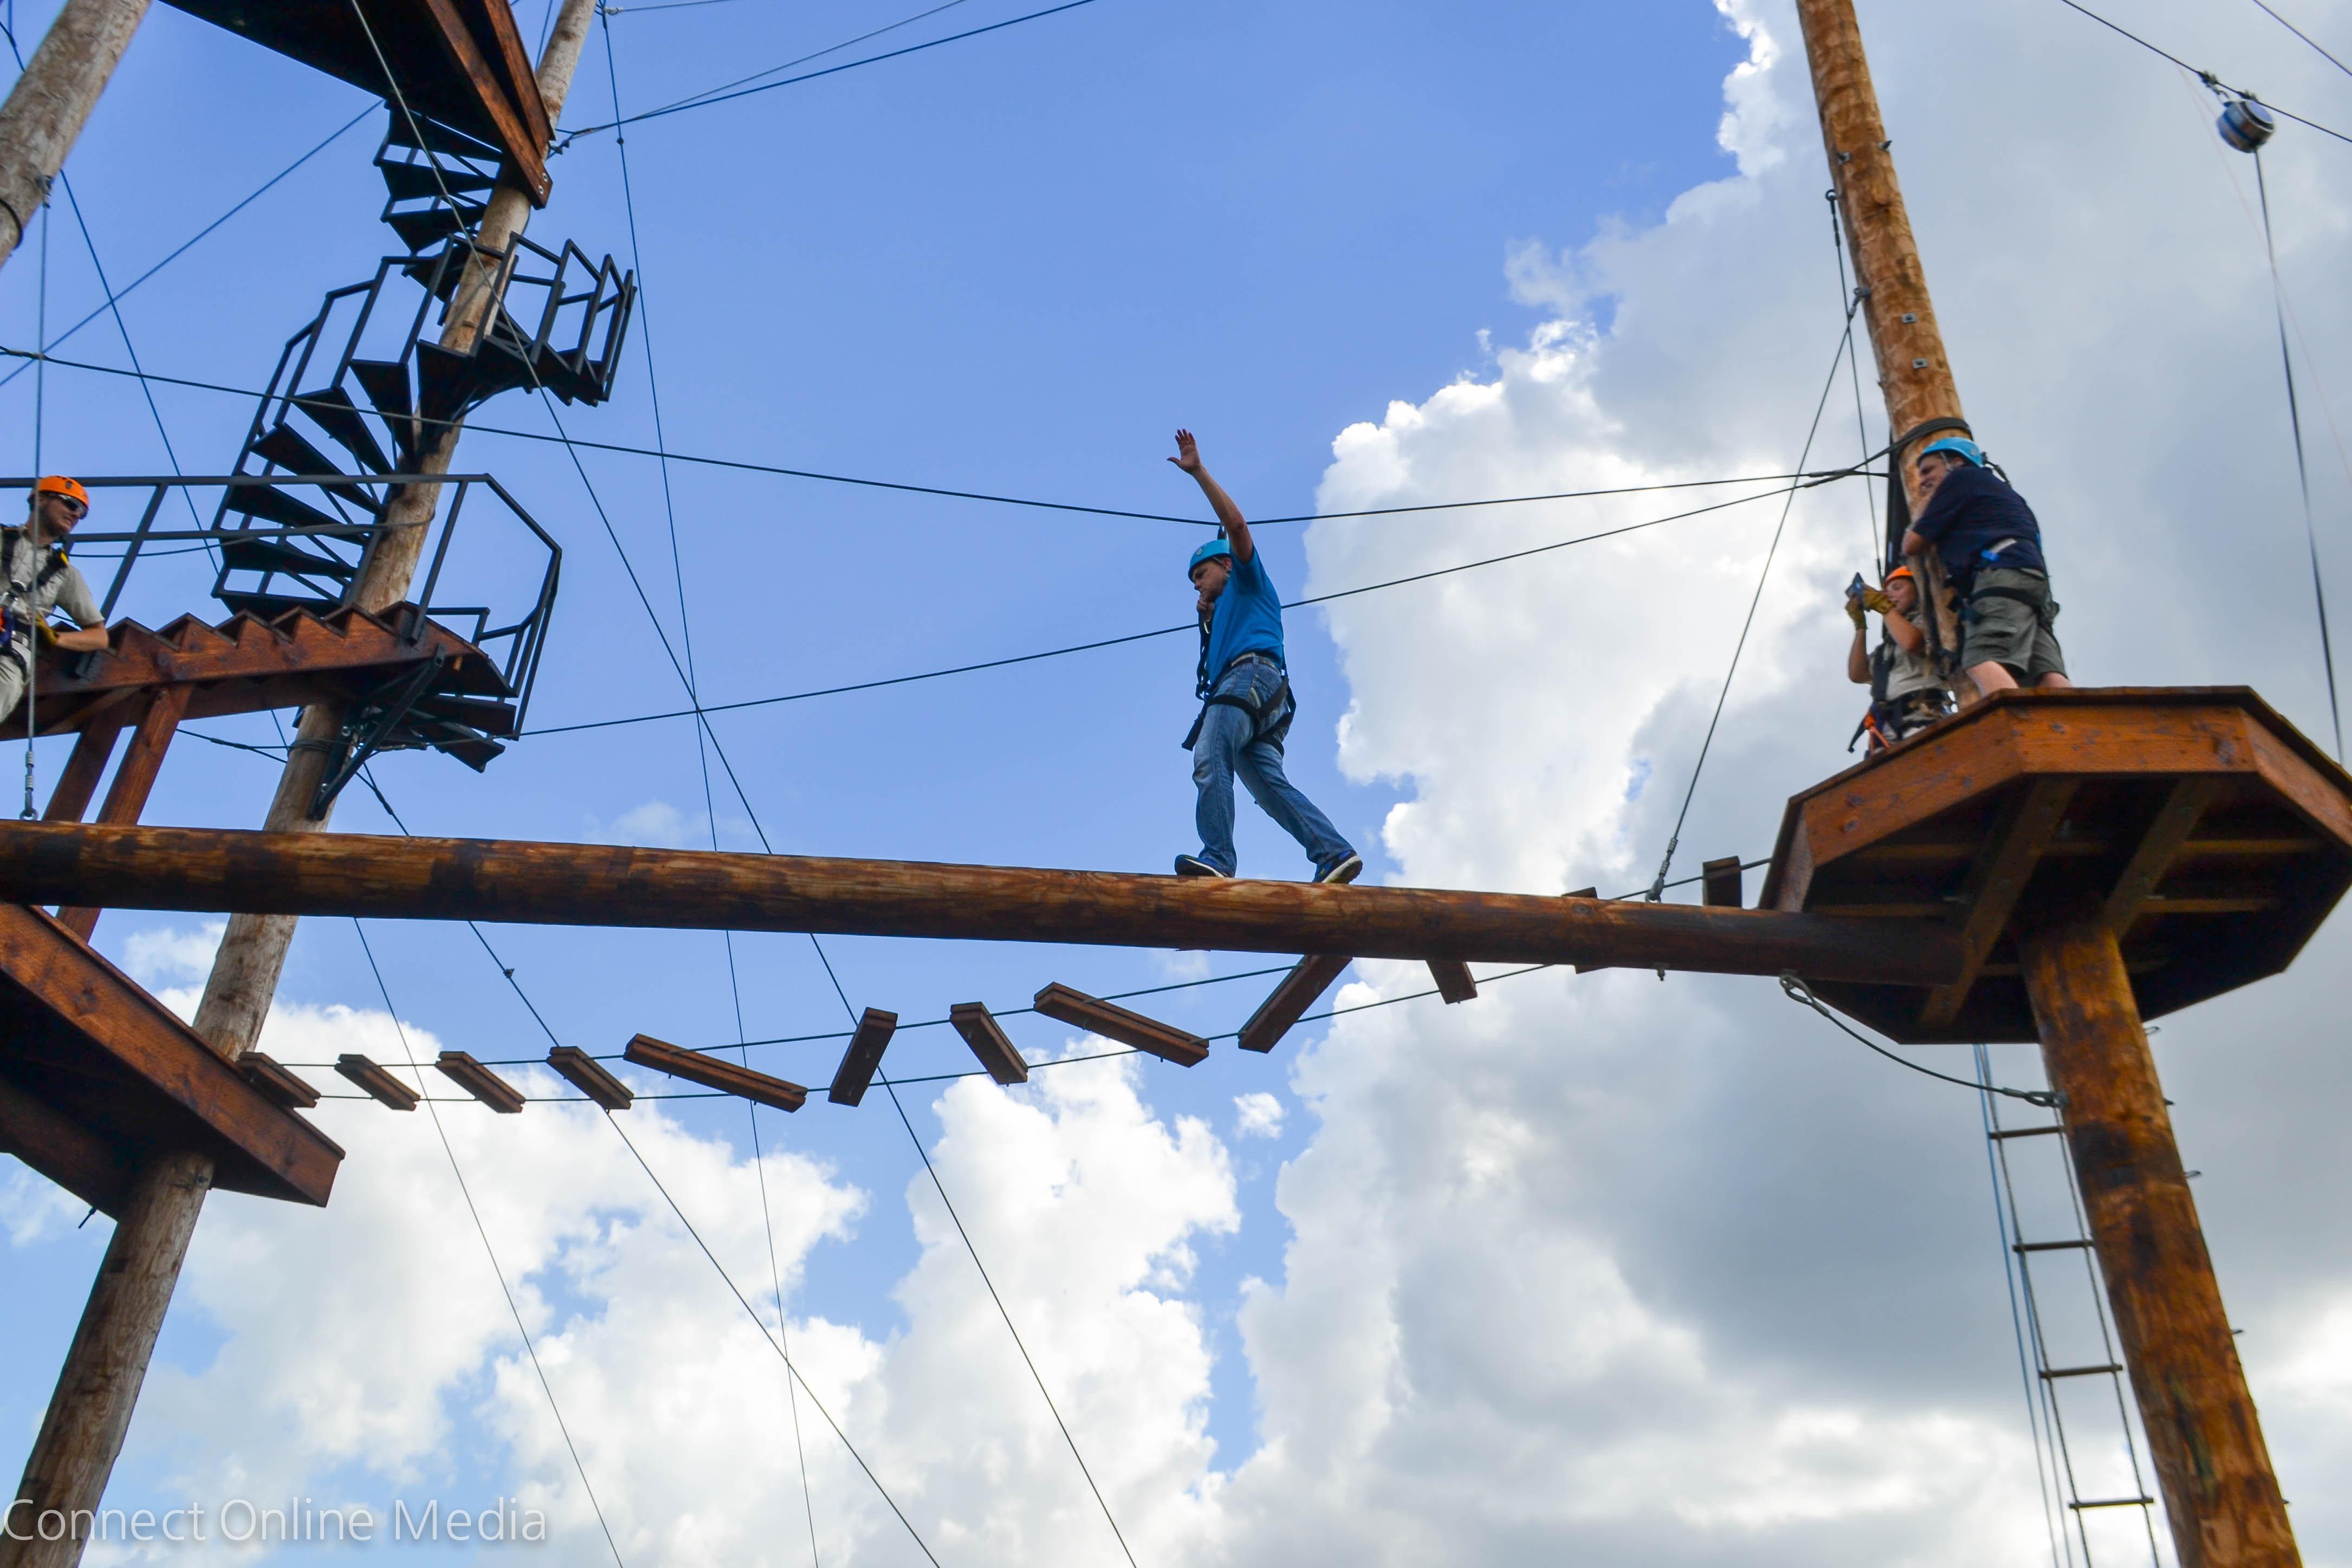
1245, 702
1991, 548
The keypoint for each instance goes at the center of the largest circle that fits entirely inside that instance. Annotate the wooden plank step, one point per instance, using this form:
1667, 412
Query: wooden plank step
460, 1069
988, 1041
587, 1075
381, 1085
1453, 981
1299, 990
695, 1067
278, 1082
1112, 1021
864, 1058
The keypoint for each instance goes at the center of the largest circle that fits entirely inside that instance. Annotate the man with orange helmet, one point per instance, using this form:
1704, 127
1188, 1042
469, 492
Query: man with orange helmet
1907, 693
35, 580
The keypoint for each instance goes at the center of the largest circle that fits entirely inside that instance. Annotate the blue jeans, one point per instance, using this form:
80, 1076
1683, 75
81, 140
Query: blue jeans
1223, 749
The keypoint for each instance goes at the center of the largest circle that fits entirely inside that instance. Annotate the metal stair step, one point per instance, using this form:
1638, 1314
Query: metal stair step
274, 505
484, 713
438, 138
386, 384
332, 410
423, 181
277, 555
292, 451
426, 226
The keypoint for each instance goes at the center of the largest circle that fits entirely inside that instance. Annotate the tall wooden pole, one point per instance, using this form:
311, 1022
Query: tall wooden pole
52, 100
89, 1413
2211, 1466
1913, 374
2220, 1496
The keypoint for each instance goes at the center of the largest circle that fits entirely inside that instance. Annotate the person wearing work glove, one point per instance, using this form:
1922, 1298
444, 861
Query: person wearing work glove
36, 579
1907, 691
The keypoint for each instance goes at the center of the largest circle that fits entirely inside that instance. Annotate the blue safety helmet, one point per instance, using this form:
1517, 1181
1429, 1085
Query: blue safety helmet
1968, 451
1210, 552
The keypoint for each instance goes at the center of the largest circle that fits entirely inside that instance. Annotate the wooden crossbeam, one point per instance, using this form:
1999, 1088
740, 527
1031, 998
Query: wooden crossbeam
212, 870
1299, 990
460, 1069
1453, 981
587, 1075
380, 1084
1113, 1022
1998, 875
864, 1058
2159, 851
989, 1042
713, 1073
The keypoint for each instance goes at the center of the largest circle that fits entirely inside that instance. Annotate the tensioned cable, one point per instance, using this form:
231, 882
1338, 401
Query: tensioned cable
1798, 990
185, 245
2043, 1481
761, 1323
716, 96
2302, 473
702, 756
2306, 38
1673, 840
746, 466
802, 60
483, 1231
708, 708
2209, 76
1848, 299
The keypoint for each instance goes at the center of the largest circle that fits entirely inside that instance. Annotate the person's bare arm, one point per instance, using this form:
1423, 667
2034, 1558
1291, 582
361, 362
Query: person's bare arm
1906, 635
87, 639
1237, 533
1857, 662
1912, 545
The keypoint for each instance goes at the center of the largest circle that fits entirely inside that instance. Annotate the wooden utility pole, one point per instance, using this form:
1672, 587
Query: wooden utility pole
2219, 1495
47, 107
89, 1413
1913, 373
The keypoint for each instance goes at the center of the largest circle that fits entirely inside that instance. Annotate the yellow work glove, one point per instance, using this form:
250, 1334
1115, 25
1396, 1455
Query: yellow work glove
1876, 599
1853, 611
43, 633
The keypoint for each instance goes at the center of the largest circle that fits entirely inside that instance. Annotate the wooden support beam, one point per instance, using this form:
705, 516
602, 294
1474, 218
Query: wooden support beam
1112, 1021
696, 1066
280, 874
378, 1083
1720, 884
1299, 990
2220, 1496
989, 1042
460, 1069
278, 1082
587, 1075
2003, 866
126, 798
93, 748
864, 1058
2159, 851
1453, 981
61, 1148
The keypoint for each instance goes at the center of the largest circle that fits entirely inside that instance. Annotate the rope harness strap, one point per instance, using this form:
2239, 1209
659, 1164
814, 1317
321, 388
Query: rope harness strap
1269, 719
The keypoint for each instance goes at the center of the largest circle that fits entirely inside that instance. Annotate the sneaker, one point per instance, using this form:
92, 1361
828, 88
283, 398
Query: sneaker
1342, 871
1194, 866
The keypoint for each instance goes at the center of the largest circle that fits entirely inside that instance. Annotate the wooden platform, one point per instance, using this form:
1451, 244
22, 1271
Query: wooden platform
96, 1077
2209, 833
248, 666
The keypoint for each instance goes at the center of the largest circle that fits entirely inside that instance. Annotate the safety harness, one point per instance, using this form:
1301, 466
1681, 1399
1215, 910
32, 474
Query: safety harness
1883, 720
1269, 719
20, 593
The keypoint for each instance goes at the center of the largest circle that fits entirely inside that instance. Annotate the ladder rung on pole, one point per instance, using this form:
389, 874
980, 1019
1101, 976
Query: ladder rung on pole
2058, 1371
2116, 1502
2028, 1132
2052, 1246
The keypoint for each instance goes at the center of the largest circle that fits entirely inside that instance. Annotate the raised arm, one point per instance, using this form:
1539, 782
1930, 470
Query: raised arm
1237, 533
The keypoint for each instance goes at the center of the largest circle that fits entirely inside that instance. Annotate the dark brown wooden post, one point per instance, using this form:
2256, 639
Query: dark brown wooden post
2220, 1494
126, 798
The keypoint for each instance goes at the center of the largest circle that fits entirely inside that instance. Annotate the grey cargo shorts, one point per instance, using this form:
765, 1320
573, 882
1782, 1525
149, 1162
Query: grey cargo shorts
1996, 628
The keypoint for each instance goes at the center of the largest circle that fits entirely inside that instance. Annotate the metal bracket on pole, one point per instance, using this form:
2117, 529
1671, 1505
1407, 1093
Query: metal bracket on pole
373, 720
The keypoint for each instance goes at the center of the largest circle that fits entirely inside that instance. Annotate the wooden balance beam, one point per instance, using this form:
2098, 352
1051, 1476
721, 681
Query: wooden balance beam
215, 870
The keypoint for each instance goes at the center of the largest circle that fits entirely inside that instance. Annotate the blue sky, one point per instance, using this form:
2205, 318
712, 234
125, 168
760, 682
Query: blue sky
1015, 265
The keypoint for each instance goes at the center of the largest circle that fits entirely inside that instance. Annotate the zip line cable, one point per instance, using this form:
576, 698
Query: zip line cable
185, 245
483, 1231
755, 76
2302, 473
2206, 75
2306, 38
1798, 990
1673, 840
760, 1323
746, 466
708, 708
40, 391
702, 756
716, 95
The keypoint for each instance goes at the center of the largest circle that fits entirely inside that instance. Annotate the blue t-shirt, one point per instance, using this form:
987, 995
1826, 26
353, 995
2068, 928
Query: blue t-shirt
1248, 617
1972, 512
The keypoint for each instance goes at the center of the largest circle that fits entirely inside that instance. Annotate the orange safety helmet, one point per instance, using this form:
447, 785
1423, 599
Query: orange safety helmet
1902, 572
59, 485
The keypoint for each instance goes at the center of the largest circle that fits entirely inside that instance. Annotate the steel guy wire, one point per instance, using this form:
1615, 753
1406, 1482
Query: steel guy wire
1849, 296
2306, 38
2042, 1480
702, 756
1799, 992
716, 96
483, 1231
2206, 75
760, 1323
2302, 473
755, 76
184, 245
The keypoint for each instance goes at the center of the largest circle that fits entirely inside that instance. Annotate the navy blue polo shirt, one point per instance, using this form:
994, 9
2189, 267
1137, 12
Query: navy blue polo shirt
1972, 512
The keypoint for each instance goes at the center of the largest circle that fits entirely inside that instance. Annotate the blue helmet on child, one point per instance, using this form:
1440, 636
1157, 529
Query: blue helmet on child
1216, 548
1966, 451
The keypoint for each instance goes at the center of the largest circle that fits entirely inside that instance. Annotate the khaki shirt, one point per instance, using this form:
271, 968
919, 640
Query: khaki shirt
31, 598
1910, 674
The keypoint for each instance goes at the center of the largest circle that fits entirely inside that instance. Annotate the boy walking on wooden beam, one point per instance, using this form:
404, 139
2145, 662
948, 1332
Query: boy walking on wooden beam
1245, 702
